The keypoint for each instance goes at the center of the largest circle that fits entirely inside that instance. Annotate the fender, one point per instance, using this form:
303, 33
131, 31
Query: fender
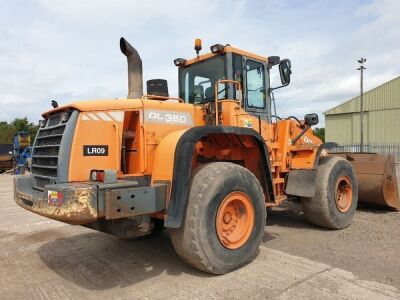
183, 167
163, 164
324, 146
302, 182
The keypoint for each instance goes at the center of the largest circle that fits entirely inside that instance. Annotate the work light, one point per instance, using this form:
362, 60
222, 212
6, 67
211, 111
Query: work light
179, 62
217, 48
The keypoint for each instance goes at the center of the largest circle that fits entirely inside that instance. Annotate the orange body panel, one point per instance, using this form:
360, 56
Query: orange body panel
162, 123
93, 129
99, 105
150, 129
164, 158
141, 120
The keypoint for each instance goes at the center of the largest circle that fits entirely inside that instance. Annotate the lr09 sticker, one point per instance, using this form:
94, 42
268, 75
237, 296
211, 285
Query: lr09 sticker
95, 150
55, 198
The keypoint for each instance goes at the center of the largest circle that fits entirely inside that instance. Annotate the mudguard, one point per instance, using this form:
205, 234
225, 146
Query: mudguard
182, 167
302, 182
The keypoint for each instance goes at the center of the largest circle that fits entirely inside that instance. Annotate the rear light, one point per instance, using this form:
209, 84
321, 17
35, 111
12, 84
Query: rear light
65, 116
97, 175
42, 123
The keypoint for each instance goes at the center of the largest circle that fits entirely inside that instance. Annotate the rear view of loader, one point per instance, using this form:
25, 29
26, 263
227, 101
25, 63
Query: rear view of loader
205, 164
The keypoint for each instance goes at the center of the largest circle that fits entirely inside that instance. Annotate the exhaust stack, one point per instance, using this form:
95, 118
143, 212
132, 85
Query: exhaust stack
135, 73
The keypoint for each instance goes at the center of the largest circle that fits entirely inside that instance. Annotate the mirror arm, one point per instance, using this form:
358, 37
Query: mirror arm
278, 87
301, 134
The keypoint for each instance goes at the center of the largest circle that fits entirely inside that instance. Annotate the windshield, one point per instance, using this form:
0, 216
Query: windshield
197, 81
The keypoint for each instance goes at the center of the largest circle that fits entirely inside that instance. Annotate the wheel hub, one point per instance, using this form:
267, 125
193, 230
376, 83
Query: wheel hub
227, 218
235, 220
343, 194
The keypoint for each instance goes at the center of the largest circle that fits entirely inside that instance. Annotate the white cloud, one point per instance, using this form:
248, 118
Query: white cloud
68, 50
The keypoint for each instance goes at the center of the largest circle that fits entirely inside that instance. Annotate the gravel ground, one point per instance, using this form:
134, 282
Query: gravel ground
369, 247
45, 259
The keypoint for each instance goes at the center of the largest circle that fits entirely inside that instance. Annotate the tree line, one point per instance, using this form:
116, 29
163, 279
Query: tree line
8, 130
320, 132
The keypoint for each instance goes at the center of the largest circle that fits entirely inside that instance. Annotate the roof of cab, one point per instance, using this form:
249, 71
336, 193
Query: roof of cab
226, 50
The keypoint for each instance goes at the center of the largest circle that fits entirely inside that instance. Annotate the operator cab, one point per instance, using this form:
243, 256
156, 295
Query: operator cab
198, 78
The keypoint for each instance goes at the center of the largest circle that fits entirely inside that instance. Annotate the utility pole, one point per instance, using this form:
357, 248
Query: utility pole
361, 61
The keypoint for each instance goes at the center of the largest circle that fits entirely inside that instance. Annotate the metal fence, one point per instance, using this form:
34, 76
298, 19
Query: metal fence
393, 149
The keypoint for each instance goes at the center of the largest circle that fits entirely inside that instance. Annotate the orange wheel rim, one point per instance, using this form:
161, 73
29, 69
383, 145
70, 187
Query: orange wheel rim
343, 194
235, 220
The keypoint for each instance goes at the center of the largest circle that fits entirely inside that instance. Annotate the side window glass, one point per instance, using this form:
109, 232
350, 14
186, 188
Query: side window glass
238, 74
255, 84
186, 87
201, 89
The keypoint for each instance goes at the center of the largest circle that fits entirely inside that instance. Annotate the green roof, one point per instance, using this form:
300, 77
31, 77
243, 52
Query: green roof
384, 96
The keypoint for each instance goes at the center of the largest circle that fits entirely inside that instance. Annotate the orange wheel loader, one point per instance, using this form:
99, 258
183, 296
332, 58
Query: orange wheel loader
205, 165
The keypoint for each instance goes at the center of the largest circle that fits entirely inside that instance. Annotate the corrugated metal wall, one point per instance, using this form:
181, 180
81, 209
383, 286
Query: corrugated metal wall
384, 126
381, 126
381, 117
338, 128
385, 96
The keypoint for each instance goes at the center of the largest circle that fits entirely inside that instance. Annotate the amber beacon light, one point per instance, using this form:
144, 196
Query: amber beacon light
197, 46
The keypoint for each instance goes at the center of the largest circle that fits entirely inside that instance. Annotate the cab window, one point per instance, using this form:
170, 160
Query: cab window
255, 84
197, 81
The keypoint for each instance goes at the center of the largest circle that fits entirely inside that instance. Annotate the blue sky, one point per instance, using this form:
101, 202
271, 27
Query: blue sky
69, 50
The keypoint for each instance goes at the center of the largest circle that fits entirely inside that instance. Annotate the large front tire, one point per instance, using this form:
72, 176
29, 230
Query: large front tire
224, 220
336, 194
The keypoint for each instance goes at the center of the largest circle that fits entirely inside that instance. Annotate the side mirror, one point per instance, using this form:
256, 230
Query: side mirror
311, 119
285, 69
273, 60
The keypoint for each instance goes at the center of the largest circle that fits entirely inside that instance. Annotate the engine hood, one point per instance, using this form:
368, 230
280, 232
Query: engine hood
101, 105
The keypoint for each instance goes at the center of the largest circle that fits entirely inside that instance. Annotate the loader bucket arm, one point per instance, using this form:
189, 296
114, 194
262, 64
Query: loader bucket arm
376, 175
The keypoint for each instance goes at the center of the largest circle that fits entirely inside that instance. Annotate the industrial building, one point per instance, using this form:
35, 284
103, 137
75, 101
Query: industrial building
381, 118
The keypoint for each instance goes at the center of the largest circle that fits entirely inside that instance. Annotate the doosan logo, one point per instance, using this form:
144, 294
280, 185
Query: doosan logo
307, 140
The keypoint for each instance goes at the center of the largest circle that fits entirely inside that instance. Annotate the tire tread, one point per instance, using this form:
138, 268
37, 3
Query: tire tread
185, 239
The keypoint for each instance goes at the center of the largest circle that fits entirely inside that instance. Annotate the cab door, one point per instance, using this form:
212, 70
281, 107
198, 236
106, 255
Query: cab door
256, 85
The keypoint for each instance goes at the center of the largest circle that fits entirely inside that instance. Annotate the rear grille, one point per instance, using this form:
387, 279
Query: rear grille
46, 149
41, 182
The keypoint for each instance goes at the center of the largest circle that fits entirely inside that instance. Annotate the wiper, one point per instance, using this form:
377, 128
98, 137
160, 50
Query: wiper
260, 88
223, 90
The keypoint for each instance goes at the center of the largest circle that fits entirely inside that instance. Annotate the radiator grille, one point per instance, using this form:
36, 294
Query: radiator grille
46, 149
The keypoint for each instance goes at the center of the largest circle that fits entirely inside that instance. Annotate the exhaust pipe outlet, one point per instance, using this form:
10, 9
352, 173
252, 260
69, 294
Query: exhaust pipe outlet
135, 71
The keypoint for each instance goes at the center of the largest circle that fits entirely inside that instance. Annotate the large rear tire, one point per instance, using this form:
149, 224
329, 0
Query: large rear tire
224, 221
336, 194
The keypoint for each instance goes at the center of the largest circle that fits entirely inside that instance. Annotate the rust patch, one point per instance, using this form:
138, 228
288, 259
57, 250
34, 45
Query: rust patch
78, 206
72, 203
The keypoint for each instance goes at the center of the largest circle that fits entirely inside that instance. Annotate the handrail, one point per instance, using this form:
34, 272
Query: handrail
118, 156
239, 87
143, 159
163, 98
